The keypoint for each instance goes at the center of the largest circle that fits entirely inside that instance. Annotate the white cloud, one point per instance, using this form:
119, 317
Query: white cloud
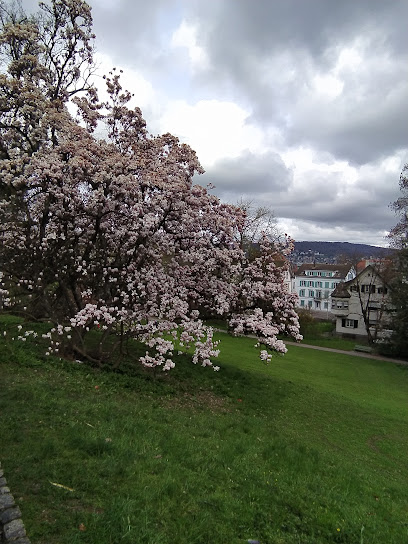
185, 36
131, 80
214, 129
349, 58
327, 86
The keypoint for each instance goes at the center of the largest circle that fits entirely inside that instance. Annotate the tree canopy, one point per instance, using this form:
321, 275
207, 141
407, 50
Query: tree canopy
399, 293
399, 234
111, 234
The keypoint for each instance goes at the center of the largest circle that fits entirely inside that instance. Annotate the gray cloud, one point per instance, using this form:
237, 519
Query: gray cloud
249, 174
325, 200
364, 123
268, 56
269, 52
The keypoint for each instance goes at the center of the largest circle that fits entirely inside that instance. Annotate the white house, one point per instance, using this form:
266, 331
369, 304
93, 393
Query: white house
314, 283
362, 301
289, 279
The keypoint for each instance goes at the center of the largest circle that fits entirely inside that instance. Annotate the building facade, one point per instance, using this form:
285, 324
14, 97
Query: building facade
314, 284
363, 303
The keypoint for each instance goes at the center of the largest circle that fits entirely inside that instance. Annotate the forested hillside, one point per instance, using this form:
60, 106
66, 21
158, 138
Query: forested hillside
335, 249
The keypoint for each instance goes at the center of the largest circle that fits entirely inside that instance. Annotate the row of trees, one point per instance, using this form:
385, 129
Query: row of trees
111, 233
399, 294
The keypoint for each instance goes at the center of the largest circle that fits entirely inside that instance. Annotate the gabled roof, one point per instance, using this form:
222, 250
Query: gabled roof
341, 290
339, 270
369, 268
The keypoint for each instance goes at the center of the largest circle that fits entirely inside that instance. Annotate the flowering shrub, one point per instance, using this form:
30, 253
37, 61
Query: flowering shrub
111, 235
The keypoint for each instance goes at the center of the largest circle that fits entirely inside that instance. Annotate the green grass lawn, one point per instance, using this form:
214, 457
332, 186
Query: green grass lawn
308, 450
315, 333
322, 333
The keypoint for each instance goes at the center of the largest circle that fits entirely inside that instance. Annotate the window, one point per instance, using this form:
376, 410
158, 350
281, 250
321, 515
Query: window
317, 304
326, 305
368, 288
349, 323
311, 293
318, 294
323, 273
302, 283
373, 315
340, 304
302, 302
326, 285
309, 303
333, 285
302, 293
382, 290
310, 283
319, 284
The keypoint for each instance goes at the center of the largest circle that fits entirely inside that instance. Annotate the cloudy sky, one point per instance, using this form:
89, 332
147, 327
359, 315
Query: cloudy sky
299, 105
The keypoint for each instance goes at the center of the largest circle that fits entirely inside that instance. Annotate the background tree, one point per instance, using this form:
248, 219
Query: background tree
370, 275
399, 240
375, 304
260, 222
399, 234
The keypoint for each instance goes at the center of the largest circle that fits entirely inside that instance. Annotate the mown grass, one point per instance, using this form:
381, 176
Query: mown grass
323, 334
315, 333
310, 449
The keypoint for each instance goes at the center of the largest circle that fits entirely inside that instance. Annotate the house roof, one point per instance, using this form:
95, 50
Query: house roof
341, 290
339, 271
369, 268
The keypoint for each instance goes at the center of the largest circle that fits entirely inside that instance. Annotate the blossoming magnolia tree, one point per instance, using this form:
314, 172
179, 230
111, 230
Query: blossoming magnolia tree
111, 235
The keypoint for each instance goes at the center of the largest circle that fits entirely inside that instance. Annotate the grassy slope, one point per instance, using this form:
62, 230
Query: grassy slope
315, 333
311, 449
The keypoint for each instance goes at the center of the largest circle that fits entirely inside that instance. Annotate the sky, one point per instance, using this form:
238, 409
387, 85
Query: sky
297, 105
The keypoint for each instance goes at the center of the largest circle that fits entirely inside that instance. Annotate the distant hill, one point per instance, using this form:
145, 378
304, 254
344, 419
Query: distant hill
335, 249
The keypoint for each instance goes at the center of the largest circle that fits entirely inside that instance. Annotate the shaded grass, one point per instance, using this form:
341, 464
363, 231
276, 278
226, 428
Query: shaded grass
309, 449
